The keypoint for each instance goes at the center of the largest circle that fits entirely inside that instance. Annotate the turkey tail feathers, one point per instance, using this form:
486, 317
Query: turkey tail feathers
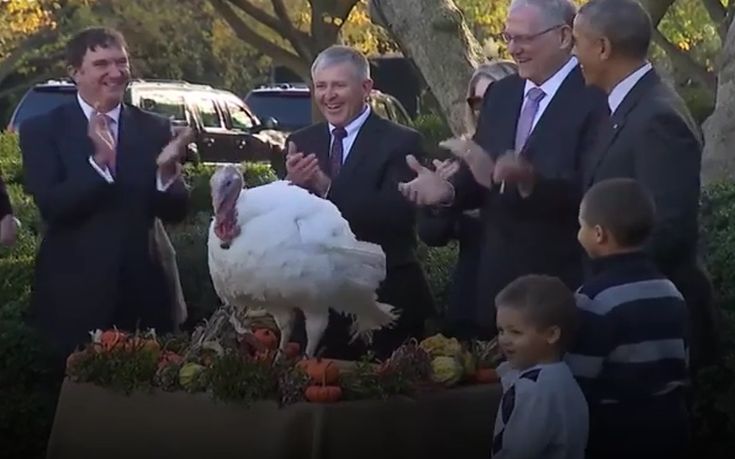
380, 316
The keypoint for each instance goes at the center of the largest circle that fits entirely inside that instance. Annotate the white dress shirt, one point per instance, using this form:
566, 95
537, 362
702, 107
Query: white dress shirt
617, 95
352, 130
549, 87
113, 117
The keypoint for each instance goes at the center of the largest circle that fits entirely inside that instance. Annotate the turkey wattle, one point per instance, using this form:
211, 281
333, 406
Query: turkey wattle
278, 248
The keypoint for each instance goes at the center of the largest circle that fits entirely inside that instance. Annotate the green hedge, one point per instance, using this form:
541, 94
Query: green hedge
25, 407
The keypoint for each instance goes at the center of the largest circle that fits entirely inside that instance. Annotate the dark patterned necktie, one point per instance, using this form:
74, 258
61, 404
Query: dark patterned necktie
337, 151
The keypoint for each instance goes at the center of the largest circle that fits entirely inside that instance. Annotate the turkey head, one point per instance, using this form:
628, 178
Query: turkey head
226, 184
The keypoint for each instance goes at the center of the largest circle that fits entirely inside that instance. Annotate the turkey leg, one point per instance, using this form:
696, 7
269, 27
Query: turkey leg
284, 320
315, 325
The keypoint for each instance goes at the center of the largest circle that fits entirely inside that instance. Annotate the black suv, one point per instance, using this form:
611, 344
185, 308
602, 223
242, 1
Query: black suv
227, 130
290, 104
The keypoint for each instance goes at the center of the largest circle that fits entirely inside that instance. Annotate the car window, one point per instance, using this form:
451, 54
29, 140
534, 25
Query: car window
41, 100
291, 111
166, 103
240, 117
208, 113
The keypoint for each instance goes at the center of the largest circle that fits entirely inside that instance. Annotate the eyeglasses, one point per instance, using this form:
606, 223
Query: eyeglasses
526, 39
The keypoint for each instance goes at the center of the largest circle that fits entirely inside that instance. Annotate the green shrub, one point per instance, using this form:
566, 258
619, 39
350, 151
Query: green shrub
434, 129
10, 161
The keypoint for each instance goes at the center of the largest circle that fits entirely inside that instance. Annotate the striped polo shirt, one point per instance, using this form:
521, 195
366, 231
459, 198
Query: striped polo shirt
632, 340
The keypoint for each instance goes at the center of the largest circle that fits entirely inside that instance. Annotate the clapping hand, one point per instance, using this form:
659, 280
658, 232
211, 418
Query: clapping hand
514, 169
429, 188
446, 169
479, 162
99, 133
304, 171
8, 230
168, 160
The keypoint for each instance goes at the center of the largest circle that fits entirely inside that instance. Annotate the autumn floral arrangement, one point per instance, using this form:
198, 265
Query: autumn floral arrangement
244, 365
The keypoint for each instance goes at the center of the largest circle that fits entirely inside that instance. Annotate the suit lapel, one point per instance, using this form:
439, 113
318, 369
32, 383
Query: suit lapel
78, 126
563, 98
365, 143
127, 139
617, 121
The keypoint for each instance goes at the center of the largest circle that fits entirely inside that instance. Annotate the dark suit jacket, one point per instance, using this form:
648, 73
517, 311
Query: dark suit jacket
5, 207
95, 266
651, 137
536, 234
366, 193
437, 227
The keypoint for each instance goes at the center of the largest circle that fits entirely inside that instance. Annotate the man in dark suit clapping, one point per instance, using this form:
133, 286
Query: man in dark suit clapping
523, 167
356, 160
652, 138
96, 170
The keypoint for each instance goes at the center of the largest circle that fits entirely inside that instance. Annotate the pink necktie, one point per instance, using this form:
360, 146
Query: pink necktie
113, 133
525, 122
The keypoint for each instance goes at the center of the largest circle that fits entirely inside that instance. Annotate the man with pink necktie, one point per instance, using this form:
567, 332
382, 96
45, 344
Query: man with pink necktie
523, 166
100, 172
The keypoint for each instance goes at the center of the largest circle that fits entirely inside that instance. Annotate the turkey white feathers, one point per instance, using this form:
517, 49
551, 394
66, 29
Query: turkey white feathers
279, 248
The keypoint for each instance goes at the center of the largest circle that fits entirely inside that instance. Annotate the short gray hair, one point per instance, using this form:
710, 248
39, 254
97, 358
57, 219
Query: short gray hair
624, 22
554, 12
339, 54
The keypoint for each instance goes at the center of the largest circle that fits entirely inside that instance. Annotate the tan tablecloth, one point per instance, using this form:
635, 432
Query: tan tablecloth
95, 422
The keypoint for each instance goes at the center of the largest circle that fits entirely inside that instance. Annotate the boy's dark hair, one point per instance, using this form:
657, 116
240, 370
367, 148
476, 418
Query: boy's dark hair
90, 39
546, 301
622, 207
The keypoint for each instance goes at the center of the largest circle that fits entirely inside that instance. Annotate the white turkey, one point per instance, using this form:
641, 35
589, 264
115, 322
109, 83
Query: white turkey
278, 248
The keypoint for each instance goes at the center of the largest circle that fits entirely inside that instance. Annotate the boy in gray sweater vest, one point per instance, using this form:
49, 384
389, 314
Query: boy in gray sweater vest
543, 413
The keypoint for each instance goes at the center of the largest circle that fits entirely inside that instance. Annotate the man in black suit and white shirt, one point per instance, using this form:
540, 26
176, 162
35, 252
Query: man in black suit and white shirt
652, 138
356, 160
93, 169
547, 119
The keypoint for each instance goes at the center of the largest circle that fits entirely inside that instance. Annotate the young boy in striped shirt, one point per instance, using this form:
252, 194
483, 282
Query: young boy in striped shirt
631, 355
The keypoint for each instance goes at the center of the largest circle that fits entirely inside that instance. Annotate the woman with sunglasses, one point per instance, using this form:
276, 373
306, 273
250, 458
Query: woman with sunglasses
438, 227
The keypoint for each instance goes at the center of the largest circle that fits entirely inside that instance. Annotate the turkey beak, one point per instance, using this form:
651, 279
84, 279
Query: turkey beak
217, 200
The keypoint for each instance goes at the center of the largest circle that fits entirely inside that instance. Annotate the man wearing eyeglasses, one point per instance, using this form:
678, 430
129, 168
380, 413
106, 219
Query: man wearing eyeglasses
523, 164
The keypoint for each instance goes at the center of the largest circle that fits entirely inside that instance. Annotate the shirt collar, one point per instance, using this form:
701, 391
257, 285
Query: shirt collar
114, 114
355, 124
619, 259
551, 85
617, 95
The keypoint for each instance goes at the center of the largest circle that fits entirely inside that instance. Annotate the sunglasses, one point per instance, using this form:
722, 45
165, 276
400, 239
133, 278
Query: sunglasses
475, 102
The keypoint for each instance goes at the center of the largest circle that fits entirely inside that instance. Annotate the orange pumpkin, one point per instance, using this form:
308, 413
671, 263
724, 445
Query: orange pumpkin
322, 371
266, 337
486, 376
111, 339
323, 394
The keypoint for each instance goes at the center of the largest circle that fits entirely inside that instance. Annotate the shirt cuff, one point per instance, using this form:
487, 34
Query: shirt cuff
163, 187
105, 173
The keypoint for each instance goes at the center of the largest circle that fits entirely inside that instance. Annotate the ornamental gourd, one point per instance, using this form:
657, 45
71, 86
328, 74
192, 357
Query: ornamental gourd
267, 338
320, 370
323, 394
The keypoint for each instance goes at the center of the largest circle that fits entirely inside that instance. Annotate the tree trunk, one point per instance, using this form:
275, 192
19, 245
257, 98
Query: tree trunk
434, 34
719, 129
